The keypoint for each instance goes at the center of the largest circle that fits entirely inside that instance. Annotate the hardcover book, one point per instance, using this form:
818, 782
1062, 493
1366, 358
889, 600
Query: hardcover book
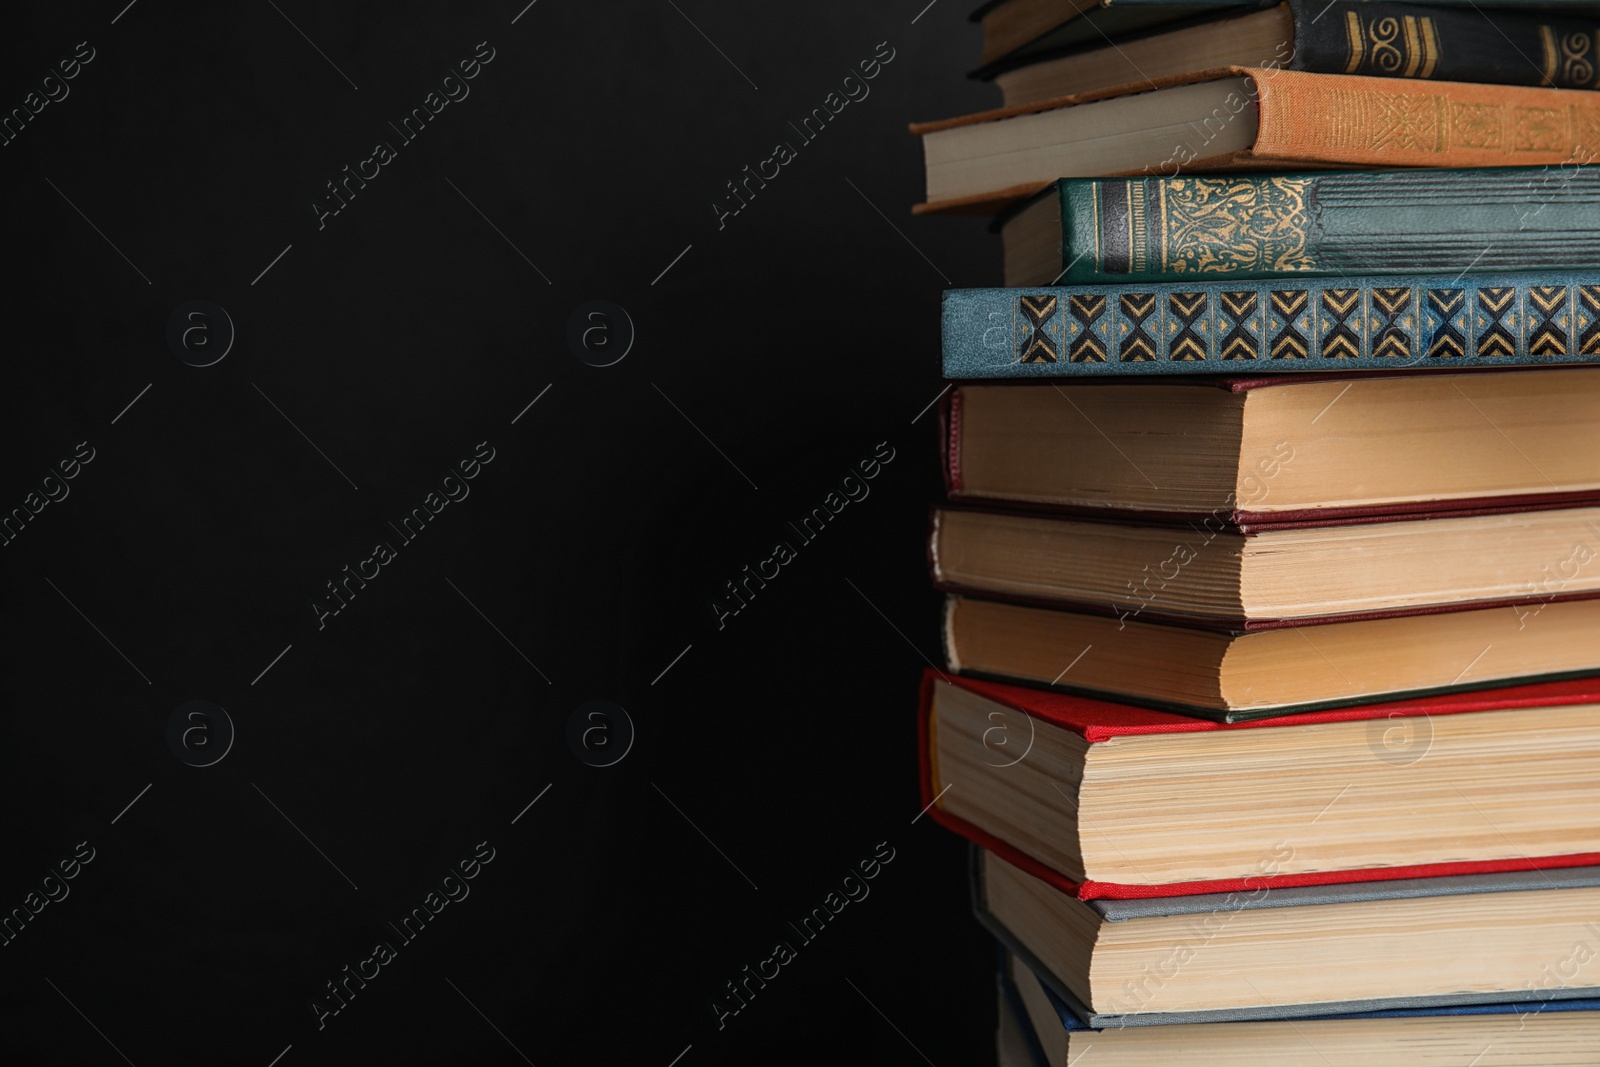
1250, 118
1434, 945
1378, 39
1232, 671
1042, 1025
1239, 574
1018, 29
1118, 801
1192, 227
1434, 322
1235, 451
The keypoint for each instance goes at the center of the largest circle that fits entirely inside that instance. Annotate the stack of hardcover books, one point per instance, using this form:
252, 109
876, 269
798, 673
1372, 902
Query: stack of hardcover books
1272, 539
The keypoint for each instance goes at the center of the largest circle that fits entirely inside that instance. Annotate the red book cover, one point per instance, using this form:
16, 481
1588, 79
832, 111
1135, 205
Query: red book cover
1099, 720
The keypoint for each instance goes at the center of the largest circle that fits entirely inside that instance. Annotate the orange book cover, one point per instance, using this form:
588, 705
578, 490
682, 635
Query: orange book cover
1336, 120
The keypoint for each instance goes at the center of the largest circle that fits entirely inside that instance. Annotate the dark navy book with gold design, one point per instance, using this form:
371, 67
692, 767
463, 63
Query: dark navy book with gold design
1487, 220
1520, 42
1283, 325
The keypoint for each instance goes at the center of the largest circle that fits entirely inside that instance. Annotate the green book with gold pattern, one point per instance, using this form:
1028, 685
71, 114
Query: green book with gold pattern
1333, 223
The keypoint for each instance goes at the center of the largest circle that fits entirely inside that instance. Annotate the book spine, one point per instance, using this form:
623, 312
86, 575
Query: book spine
1330, 223
1413, 41
1392, 122
1346, 324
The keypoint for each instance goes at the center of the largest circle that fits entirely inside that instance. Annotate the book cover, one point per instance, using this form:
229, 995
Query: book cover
1300, 119
1396, 40
1203, 327
1234, 516
1047, 577
1466, 44
1073, 1015
1328, 223
1098, 721
1095, 21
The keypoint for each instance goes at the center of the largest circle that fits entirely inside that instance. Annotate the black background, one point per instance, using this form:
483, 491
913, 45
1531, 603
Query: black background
773, 755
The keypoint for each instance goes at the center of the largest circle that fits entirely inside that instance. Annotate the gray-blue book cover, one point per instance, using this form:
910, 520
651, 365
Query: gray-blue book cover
1273, 326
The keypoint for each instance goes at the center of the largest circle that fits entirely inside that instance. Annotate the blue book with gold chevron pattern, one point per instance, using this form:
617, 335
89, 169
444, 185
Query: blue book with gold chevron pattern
1275, 326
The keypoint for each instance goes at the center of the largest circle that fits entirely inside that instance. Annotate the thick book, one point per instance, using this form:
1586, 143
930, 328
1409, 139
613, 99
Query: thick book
1266, 667
1377, 39
1317, 325
1042, 1025
1118, 801
1015, 30
1221, 451
1238, 574
1250, 118
1434, 945
1083, 231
